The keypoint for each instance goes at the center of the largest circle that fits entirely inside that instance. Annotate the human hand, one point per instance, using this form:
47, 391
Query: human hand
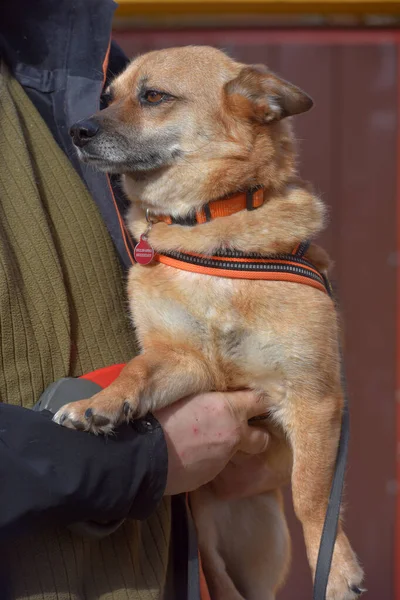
249, 475
204, 432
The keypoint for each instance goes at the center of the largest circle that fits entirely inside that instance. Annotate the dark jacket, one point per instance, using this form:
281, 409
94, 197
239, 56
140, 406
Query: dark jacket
57, 49
51, 473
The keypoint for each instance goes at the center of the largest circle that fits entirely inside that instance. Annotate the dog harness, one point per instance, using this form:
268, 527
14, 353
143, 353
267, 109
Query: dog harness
293, 267
237, 265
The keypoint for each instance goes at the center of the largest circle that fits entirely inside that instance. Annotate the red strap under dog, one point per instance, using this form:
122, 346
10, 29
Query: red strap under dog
104, 377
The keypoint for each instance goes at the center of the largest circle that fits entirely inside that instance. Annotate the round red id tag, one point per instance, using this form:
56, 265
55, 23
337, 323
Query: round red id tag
143, 252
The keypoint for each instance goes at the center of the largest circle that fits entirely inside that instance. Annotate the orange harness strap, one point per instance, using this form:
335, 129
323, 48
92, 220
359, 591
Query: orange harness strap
204, 592
235, 265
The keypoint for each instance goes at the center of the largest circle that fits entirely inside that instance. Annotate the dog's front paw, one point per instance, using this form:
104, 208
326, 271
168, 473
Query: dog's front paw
340, 588
99, 414
346, 576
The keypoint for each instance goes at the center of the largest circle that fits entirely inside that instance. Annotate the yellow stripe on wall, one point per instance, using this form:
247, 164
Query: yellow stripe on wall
190, 7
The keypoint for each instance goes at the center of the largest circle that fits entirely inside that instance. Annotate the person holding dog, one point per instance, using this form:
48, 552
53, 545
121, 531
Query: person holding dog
62, 314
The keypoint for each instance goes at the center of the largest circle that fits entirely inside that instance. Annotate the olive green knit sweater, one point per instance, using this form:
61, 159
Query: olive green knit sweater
63, 312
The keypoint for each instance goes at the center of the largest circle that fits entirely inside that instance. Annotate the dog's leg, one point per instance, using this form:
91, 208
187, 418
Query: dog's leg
244, 544
152, 380
313, 425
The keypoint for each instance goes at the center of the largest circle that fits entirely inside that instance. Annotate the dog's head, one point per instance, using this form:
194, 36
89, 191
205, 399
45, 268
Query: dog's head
191, 119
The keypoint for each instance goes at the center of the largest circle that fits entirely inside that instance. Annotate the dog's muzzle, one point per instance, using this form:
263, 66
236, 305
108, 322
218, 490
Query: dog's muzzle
83, 131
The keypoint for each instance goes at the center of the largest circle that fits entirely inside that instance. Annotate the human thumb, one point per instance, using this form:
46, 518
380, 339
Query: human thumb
246, 404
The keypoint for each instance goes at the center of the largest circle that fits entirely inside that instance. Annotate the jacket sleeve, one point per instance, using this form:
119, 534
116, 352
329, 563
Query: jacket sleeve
48, 472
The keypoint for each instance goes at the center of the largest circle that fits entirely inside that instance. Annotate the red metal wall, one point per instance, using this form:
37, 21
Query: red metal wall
348, 149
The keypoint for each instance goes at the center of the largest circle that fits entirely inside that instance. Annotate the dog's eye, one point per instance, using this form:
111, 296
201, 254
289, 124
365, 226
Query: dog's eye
154, 97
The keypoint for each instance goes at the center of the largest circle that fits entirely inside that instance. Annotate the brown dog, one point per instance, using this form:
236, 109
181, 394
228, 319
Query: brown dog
187, 126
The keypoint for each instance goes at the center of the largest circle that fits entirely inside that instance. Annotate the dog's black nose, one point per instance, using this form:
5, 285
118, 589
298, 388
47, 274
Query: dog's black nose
83, 131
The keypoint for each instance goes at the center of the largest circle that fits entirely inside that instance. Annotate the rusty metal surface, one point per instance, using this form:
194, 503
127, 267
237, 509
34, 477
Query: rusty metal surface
348, 150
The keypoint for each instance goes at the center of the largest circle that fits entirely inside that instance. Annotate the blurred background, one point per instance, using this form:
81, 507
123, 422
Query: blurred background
347, 57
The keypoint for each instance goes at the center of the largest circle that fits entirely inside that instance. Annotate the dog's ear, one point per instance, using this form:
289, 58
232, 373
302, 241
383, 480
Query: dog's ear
271, 98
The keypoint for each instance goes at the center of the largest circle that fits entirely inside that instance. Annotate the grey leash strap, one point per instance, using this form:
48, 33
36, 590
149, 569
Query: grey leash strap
193, 560
329, 531
328, 537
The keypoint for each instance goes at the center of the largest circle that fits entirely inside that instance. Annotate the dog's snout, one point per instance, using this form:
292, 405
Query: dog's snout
83, 131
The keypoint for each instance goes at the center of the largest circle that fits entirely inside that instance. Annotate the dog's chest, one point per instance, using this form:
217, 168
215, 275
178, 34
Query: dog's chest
179, 303
232, 323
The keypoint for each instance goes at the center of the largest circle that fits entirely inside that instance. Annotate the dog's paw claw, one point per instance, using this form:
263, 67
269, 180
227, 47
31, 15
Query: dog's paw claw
130, 412
357, 590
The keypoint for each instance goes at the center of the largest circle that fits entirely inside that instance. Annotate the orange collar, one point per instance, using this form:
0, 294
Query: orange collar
225, 207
